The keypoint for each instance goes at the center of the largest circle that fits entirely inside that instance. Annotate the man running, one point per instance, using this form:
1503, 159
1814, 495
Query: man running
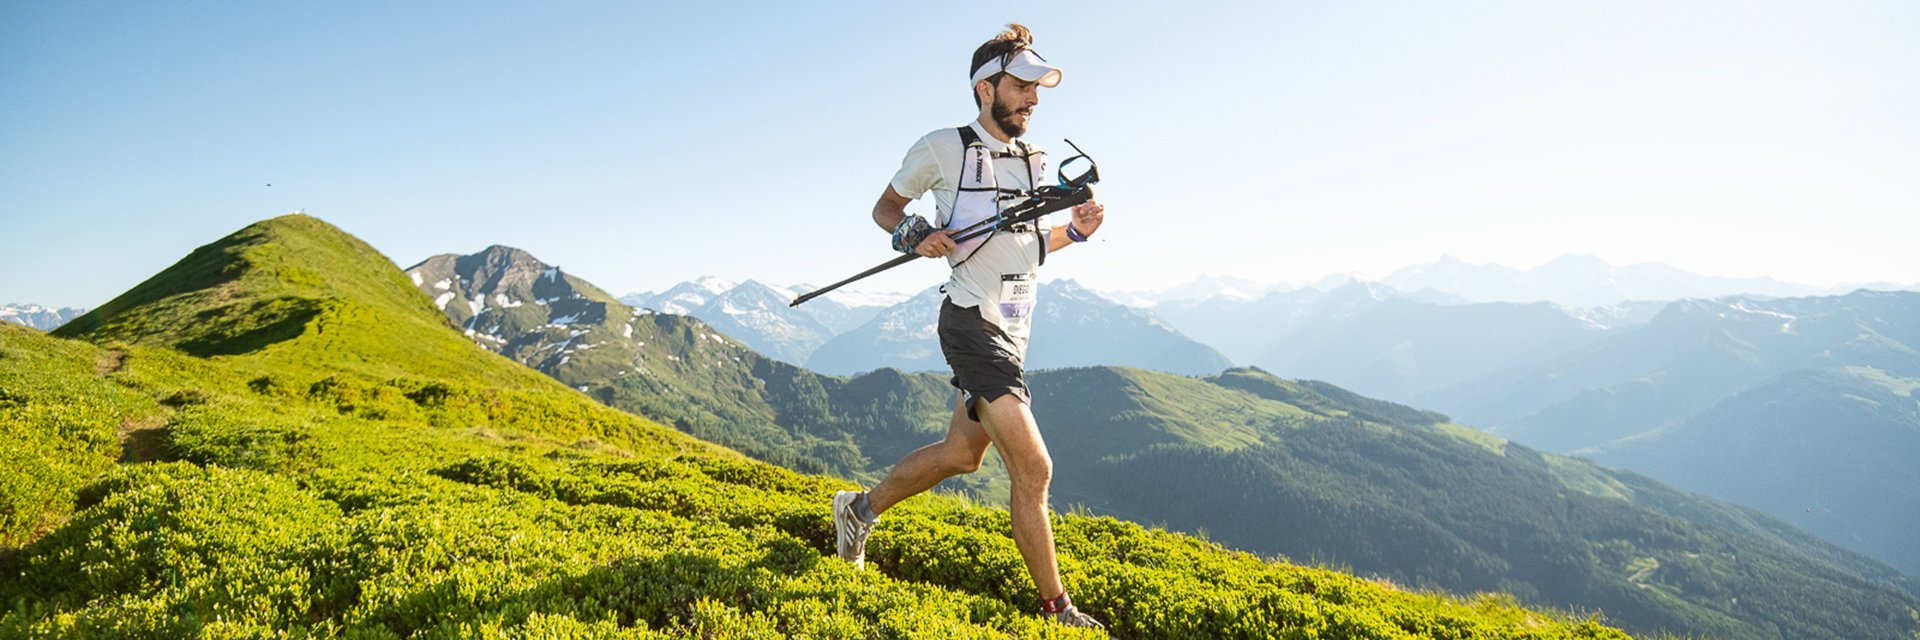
974, 171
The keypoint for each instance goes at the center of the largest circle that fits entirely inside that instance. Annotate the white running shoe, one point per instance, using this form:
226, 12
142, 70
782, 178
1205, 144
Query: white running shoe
850, 529
1072, 617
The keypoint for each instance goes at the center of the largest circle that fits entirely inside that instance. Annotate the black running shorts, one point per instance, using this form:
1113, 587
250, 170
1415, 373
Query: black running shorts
986, 361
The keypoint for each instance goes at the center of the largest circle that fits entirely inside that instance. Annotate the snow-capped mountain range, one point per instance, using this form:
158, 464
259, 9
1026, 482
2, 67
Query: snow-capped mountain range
758, 314
39, 317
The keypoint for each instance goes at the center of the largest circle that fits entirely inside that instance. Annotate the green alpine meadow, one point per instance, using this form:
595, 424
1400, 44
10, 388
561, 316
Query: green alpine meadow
281, 437
1283, 468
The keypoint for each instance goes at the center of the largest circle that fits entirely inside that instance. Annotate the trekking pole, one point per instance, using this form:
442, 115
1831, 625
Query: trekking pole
1054, 200
1045, 200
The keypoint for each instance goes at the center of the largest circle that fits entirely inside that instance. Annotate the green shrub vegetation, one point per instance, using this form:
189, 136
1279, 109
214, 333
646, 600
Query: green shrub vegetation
329, 484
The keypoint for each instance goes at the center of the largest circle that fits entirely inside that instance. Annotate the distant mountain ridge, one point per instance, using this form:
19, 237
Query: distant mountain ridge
1378, 341
1789, 405
760, 315
1581, 281
902, 335
39, 317
683, 298
1570, 280
844, 333
1073, 326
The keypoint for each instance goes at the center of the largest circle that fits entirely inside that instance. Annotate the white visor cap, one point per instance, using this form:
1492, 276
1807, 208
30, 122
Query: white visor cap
1025, 65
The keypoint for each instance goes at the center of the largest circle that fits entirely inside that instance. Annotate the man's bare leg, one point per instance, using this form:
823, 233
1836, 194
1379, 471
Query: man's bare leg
1017, 436
961, 452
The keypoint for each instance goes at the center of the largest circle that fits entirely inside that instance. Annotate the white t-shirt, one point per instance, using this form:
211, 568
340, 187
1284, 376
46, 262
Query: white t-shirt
933, 164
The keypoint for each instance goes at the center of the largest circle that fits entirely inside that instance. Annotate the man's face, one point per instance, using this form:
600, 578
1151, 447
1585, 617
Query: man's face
1013, 103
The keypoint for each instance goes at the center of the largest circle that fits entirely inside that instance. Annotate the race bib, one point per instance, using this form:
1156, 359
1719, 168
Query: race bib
1017, 293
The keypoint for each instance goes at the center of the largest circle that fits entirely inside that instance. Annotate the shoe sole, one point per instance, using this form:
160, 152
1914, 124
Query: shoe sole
841, 502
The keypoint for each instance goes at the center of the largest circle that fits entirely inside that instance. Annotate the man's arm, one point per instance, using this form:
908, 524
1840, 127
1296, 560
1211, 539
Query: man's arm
1087, 217
891, 208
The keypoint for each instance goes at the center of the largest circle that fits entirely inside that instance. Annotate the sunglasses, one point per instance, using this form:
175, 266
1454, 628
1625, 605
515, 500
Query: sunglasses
1090, 176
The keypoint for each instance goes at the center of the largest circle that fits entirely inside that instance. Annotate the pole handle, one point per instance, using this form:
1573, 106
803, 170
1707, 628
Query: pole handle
1025, 212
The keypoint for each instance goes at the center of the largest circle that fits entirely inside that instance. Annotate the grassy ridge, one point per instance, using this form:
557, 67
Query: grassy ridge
295, 293
309, 488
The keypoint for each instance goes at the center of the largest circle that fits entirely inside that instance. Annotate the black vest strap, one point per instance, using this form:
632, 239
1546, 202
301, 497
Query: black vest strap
968, 138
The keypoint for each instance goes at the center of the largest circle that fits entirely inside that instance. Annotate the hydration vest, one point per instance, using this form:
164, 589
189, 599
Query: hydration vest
979, 195
996, 271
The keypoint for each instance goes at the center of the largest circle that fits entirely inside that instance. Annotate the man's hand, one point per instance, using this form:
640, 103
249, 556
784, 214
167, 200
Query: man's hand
1087, 217
936, 245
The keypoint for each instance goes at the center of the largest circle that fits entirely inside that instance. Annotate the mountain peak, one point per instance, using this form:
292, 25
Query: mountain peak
297, 290
759, 288
1069, 284
511, 255
1335, 281
1359, 289
1574, 263
714, 285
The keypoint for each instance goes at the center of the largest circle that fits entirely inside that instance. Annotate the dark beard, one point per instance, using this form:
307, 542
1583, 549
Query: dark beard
1003, 116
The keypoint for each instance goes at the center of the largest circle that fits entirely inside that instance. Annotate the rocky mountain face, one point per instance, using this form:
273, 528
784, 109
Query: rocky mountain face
514, 304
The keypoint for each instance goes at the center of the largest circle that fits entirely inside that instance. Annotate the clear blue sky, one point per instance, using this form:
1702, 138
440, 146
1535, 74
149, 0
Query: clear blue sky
640, 144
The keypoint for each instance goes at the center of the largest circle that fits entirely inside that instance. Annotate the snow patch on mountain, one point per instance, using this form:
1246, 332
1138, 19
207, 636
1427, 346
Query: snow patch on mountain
1785, 327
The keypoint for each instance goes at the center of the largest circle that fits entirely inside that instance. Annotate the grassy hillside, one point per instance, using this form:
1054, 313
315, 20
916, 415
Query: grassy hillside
295, 293
303, 487
681, 371
1277, 466
1830, 450
1392, 490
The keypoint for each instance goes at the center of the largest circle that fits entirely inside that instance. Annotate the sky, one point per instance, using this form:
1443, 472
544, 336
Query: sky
640, 144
